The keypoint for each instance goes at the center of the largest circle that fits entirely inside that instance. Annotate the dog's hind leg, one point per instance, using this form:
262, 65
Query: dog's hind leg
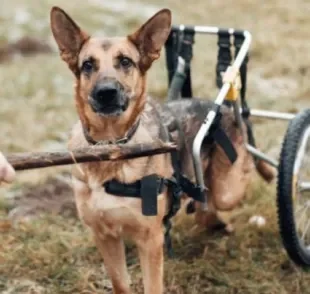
113, 252
152, 260
228, 182
209, 218
267, 172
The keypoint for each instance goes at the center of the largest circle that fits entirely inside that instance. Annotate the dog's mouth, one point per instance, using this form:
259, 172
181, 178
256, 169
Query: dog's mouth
113, 108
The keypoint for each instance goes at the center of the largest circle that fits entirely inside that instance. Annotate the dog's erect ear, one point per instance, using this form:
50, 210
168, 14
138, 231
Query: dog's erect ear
69, 37
151, 36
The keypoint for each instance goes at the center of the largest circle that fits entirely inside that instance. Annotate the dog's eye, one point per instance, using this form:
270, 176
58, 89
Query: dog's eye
125, 62
87, 66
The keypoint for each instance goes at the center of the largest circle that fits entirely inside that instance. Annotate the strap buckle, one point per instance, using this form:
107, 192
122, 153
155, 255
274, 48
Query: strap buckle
232, 76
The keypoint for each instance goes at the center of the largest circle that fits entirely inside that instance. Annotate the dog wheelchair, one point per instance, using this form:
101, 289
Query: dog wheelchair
231, 77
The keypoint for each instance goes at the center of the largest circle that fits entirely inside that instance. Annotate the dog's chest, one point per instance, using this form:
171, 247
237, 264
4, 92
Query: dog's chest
111, 214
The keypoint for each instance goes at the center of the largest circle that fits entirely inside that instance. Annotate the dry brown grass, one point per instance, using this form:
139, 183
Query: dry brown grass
55, 254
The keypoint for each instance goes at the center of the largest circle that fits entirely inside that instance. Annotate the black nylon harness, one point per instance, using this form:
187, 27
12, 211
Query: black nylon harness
149, 187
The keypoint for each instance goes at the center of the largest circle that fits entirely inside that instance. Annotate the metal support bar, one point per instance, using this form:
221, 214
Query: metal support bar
200, 137
177, 80
301, 151
271, 114
261, 155
203, 131
304, 186
200, 29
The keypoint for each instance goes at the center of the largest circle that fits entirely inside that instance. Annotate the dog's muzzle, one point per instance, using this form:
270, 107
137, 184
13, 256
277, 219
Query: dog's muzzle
108, 99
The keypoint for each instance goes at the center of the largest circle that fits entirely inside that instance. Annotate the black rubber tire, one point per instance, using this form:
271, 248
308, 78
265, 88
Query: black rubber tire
299, 254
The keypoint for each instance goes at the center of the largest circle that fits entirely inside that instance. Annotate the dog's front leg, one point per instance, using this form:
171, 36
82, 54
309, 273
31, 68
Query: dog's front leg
152, 260
113, 253
111, 248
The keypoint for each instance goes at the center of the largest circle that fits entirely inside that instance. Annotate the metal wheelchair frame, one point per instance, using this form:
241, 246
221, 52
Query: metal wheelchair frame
222, 97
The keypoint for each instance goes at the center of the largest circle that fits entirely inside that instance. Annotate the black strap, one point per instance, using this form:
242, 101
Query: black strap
186, 51
221, 138
238, 41
217, 134
115, 187
192, 190
148, 188
224, 59
250, 132
224, 56
171, 46
149, 192
175, 46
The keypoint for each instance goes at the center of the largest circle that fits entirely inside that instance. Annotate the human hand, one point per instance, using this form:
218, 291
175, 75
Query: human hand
7, 172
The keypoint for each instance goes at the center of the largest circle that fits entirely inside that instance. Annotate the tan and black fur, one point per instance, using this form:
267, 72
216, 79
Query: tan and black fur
111, 97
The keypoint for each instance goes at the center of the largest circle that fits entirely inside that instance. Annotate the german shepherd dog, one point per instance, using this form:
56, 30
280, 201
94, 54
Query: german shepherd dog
112, 104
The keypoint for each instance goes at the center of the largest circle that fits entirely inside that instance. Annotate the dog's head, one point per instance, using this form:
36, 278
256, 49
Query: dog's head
110, 72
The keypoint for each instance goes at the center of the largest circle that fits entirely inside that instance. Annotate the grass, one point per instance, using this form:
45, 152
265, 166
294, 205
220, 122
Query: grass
55, 253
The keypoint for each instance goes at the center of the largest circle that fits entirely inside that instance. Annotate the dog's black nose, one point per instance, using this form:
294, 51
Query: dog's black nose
105, 92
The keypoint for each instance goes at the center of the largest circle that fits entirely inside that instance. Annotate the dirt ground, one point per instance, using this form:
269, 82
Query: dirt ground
43, 246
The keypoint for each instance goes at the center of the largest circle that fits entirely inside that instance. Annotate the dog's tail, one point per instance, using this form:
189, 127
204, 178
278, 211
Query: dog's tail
266, 171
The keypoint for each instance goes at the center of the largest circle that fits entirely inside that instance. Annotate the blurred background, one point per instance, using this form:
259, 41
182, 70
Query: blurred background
37, 111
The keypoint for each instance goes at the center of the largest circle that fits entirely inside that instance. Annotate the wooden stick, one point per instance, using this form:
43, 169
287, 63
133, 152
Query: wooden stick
33, 160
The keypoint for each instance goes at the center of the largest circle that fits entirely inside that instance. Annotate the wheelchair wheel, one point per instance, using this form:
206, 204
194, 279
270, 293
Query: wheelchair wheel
293, 190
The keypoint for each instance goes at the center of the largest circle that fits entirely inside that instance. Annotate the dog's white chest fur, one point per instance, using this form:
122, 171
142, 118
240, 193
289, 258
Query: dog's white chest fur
110, 214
